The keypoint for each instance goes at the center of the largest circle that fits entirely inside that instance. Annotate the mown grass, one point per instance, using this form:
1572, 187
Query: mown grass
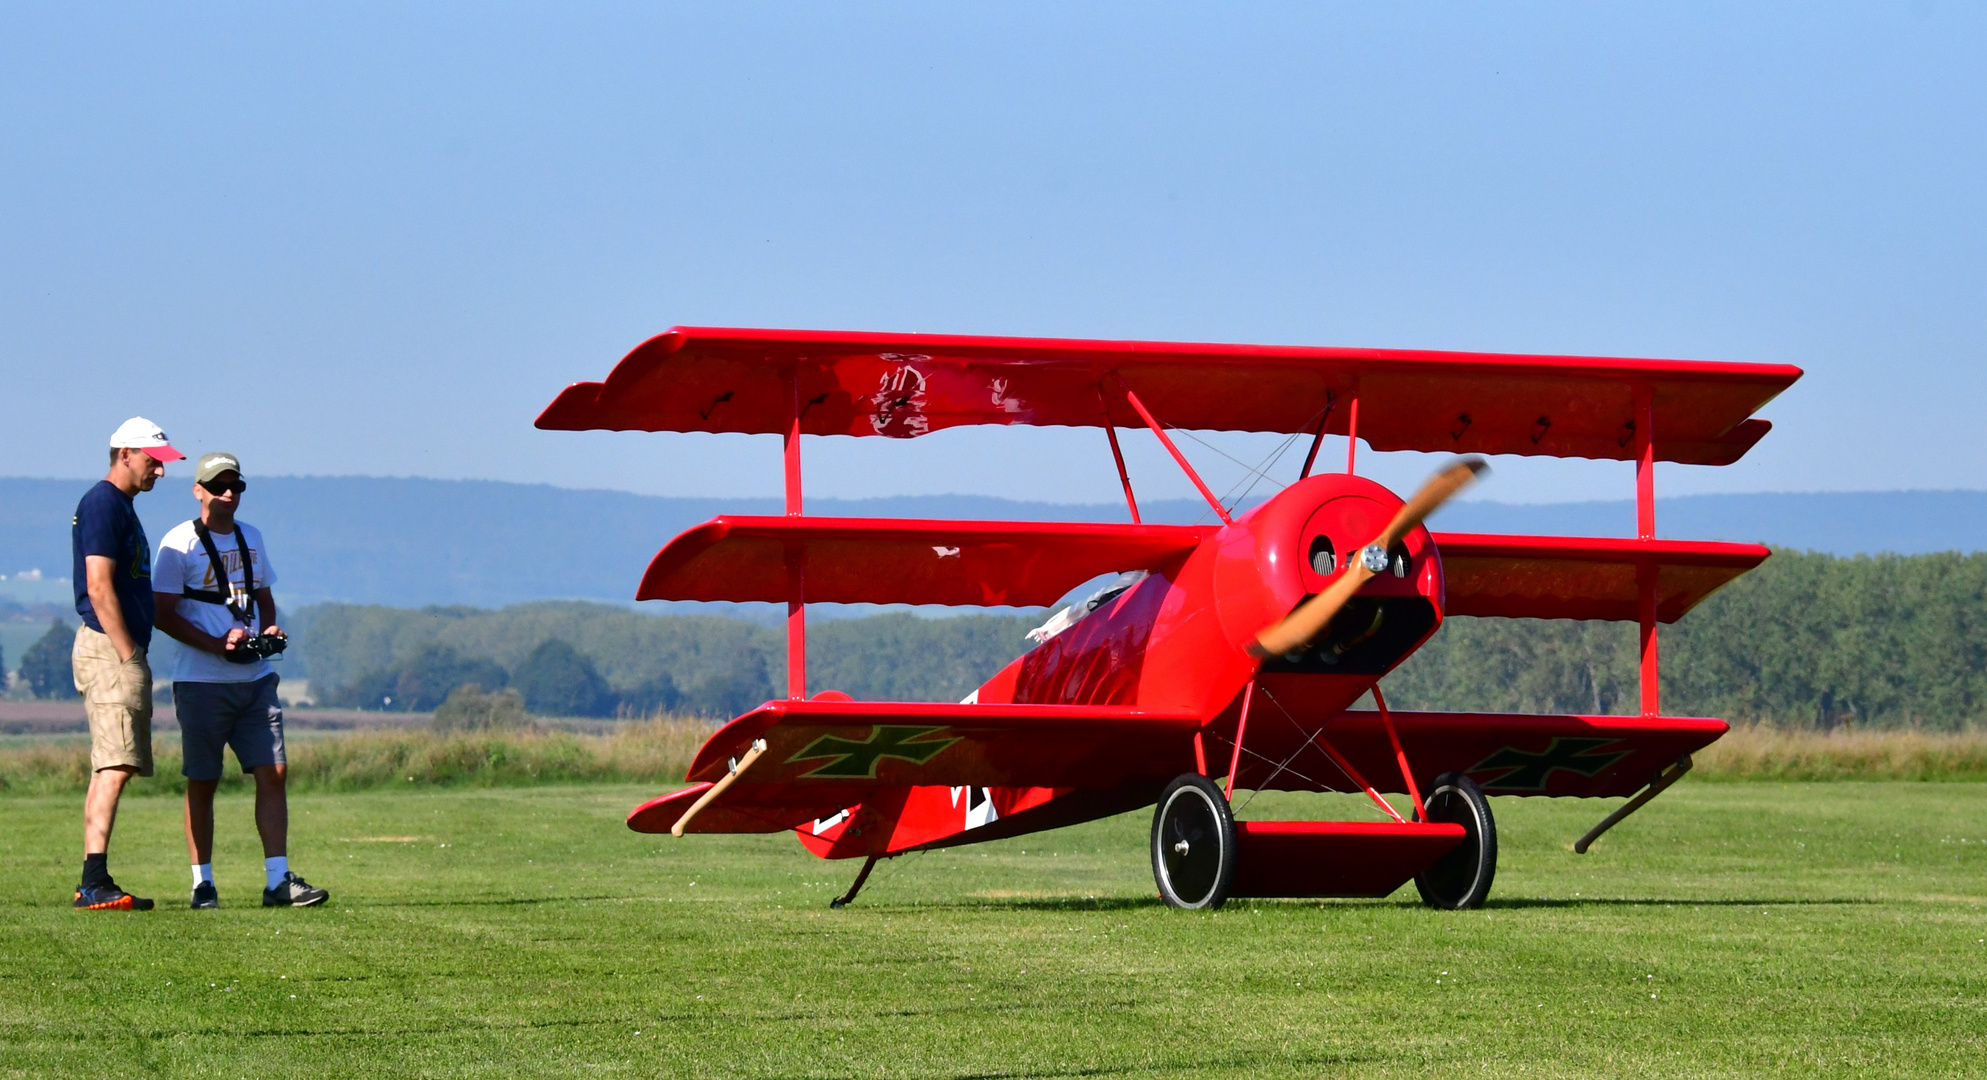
658, 750
1728, 929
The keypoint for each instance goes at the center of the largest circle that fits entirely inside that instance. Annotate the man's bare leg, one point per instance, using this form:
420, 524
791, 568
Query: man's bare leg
100, 807
272, 820
272, 810
97, 891
200, 820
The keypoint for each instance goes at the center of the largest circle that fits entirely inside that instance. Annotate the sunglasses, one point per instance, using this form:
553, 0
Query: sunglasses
216, 487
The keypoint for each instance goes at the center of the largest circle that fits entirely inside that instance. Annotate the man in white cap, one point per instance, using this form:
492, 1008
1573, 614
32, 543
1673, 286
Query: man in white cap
212, 587
113, 577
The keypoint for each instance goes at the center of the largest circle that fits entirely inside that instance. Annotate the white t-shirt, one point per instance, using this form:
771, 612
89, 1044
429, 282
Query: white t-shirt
183, 564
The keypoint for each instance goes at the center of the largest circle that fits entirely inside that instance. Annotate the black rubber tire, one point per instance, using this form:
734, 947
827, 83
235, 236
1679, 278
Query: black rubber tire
1193, 844
1460, 880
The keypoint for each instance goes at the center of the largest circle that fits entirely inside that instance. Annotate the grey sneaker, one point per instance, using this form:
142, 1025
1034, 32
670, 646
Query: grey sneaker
294, 891
204, 896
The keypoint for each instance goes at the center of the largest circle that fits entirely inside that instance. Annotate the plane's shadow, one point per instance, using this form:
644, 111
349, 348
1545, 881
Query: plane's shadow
1137, 903
1134, 903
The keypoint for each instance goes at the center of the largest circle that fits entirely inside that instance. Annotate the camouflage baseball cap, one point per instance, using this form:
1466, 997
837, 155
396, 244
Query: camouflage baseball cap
213, 465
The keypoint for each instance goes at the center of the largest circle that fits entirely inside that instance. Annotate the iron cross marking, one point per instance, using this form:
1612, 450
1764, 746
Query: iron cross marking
1526, 771
852, 759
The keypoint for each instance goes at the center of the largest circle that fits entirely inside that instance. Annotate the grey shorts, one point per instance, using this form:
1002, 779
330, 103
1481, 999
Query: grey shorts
243, 715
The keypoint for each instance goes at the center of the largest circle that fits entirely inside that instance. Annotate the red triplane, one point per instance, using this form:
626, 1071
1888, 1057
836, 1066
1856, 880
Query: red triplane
1194, 678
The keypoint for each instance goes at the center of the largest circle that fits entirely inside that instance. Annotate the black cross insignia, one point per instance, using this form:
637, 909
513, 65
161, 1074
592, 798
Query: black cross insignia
853, 759
1526, 771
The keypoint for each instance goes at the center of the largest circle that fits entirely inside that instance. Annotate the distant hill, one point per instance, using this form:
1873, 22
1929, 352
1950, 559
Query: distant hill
411, 542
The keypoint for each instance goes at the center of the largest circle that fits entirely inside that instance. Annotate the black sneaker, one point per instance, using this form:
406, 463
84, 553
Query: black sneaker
204, 896
294, 891
108, 897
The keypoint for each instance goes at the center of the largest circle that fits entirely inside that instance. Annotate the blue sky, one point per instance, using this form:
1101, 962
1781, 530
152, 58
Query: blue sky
376, 240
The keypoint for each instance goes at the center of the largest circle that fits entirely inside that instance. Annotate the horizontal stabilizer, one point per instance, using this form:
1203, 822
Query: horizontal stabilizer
764, 810
904, 385
1566, 577
890, 561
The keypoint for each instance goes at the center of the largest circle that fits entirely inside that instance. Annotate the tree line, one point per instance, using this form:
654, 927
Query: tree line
1806, 640
584, 659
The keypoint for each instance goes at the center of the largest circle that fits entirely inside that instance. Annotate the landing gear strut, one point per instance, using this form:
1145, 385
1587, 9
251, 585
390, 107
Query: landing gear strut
862, 875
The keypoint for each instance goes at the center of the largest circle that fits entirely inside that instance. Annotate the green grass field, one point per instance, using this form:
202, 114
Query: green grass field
1733, 928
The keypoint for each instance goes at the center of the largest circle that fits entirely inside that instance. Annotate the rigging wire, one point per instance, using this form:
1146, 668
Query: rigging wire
1310, 737
1254, 474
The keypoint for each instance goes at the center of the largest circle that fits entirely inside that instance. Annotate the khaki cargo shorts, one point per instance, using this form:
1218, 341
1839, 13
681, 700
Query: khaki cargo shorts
117, 694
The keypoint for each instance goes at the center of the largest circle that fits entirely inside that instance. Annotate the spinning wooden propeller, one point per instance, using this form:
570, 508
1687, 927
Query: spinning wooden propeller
1298, 628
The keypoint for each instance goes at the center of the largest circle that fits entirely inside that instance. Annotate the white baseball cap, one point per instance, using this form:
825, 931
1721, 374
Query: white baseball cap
139, 433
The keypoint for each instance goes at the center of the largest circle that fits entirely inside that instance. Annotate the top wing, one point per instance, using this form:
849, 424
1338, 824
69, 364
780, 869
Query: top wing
892, 561
904, 385
1583, 577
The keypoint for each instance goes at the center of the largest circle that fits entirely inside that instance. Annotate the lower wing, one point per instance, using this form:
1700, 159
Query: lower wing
824, 757
1505, 753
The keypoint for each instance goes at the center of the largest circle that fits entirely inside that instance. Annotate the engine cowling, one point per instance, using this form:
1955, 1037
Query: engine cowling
1293, 546
1178, 639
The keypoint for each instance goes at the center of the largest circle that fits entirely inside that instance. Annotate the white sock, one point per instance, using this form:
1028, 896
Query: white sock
203, 874
276, 868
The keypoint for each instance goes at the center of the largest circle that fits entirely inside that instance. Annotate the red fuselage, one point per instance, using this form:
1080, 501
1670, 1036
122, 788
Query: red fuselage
1177, 638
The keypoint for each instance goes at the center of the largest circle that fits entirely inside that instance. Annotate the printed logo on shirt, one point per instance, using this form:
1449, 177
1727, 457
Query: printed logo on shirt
230, 558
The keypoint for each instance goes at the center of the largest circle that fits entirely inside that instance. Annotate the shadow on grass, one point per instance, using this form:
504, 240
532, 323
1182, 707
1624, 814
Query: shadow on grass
1302, 1061
1019, 903
1123, 903
1599, 901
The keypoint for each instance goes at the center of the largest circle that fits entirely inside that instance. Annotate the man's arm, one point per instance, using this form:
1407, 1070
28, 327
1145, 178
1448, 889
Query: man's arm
168, 618
265, 605
103, 600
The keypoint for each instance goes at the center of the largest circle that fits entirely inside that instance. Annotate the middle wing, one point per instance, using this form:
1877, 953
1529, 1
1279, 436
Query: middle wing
1583, 577
893, 561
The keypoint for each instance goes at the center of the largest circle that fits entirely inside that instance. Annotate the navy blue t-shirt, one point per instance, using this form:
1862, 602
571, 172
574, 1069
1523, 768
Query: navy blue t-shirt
106, 524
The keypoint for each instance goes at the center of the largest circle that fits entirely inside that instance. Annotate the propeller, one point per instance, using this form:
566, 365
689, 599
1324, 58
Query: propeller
1297, 629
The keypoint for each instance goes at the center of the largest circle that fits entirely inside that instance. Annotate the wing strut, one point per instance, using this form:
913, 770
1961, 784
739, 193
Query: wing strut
1645, 529
795, 558
1318, 439
1111, 433
1352, 429
1219, 510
